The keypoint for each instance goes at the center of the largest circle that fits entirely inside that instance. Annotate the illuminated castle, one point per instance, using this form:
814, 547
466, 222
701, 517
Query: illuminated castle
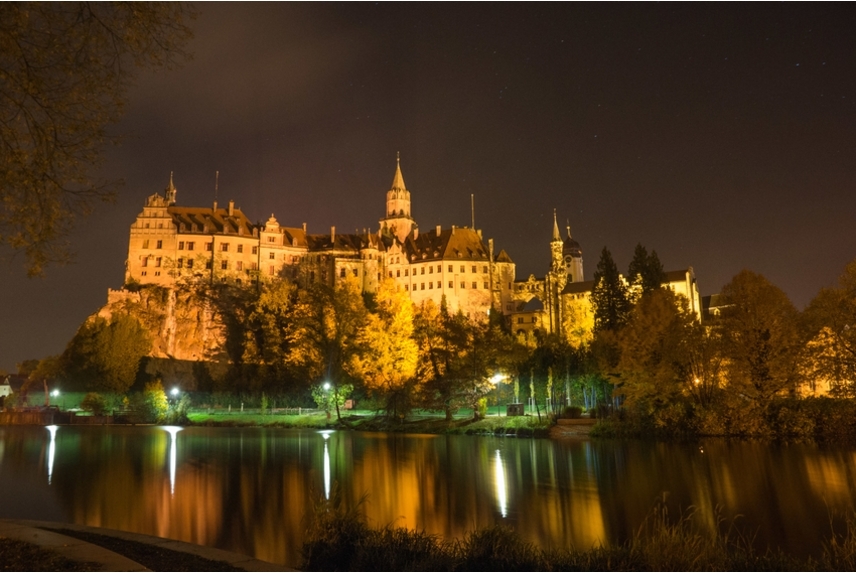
171, 244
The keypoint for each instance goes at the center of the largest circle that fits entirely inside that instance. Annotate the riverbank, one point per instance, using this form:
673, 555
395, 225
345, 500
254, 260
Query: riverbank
419, 423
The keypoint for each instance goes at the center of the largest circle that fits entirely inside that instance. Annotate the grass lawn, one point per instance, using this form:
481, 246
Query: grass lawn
419, 422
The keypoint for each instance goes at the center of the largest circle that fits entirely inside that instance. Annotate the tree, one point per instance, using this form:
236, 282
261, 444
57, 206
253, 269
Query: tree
326, 333
645, 271
609, 296
655, 367
761, 338
387, 356
65, 69
830, 326
269, 332
106, 355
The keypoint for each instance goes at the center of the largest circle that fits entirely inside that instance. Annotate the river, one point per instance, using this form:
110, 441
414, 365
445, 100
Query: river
248, 489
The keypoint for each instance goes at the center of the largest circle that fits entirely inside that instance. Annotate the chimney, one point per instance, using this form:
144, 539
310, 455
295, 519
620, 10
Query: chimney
333, 234
453, 229
304, 228
214, 208
479, 233
231, 208
438, 230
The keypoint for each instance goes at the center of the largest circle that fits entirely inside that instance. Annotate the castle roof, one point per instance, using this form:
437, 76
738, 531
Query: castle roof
570, 246
456, 243
398, 179
503, 257
208, 221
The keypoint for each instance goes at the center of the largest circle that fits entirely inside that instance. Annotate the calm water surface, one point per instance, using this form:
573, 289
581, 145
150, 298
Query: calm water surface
248, 489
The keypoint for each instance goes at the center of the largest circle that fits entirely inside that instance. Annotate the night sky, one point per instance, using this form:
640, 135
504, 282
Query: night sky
723, 136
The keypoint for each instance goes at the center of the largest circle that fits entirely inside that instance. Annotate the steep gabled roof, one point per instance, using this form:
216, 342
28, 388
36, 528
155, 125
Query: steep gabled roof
456, 243
503, 257
190, 219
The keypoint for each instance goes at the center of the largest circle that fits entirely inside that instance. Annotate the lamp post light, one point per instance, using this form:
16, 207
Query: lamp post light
497, 379
55, 394
326, 387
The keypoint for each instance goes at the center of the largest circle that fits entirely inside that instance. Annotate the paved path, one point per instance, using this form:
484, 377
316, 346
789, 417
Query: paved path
77, 550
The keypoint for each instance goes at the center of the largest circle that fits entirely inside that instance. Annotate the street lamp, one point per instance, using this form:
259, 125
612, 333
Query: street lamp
55, 394
496, 379
174, 392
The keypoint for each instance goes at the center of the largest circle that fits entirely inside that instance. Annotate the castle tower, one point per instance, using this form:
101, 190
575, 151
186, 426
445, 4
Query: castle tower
170, 191
556, 245
397, 221
572, 256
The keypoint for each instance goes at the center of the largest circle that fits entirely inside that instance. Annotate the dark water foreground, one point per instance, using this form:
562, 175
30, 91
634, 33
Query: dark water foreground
248, 489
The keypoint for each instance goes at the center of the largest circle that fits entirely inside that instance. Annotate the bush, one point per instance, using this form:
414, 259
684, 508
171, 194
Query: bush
95, 403
572, 412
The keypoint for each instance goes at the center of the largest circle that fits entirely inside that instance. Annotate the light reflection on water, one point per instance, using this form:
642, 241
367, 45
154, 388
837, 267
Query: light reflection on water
248, 489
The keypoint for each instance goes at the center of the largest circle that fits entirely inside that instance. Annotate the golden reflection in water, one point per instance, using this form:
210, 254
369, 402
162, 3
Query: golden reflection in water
499, 477
51, 451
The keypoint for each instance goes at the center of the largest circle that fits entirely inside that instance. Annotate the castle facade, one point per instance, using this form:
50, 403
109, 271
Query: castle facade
170, 244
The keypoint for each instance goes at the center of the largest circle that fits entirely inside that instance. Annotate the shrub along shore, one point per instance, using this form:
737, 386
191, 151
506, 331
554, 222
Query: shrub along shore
339, 539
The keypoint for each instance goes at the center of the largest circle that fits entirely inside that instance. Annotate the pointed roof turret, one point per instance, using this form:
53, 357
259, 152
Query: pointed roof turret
169, 192
556, 235
398, 180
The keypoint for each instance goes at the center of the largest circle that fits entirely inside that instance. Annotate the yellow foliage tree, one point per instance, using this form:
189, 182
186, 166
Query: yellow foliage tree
387, 356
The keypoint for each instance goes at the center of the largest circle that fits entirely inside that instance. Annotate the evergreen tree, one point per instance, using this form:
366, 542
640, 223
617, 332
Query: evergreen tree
609, 296
646, 271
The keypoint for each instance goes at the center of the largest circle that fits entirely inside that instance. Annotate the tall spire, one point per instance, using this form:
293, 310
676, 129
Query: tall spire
556, 235
569, 229
170, 191
398, 180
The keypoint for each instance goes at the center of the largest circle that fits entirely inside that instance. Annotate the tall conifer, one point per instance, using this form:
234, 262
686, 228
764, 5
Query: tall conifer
609, 296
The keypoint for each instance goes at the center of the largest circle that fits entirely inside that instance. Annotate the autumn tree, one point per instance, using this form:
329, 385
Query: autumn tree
326, 333
761, 338
269, 332
387, 357
65, 69
830, 326
655, 367
106, 355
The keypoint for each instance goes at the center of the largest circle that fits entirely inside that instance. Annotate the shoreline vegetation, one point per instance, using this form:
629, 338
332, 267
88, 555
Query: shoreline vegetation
340, 539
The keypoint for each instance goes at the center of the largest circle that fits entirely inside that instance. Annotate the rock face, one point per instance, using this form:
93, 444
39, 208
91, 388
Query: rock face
180, 320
